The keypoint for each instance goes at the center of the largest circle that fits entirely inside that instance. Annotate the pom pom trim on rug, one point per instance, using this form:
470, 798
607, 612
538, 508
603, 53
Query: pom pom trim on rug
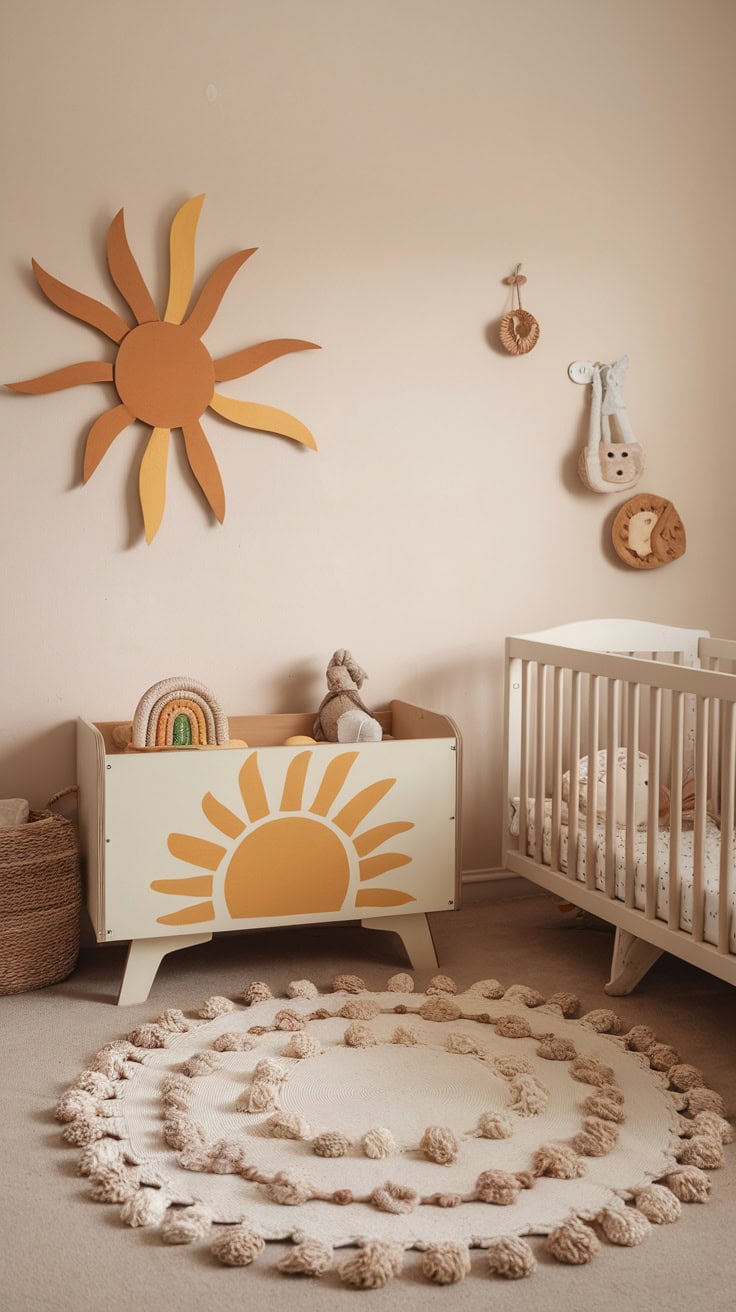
92, 1114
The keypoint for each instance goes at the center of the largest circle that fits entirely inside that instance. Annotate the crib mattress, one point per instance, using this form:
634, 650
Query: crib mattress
711, 873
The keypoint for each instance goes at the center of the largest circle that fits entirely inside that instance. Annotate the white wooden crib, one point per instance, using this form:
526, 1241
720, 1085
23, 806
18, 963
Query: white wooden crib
663, 699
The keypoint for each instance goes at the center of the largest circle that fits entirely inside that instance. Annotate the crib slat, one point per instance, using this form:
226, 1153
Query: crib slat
655, 730
591, 845
614, 698
632, 749
701, 802
541, 750
524, 762
677, 751
574, 765
557, 714
728, 782
714, 793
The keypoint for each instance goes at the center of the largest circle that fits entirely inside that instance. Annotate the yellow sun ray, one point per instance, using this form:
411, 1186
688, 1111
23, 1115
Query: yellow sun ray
252, 791
204, 467
382, 897
372, 838
254, 357
125, 272
332, 781
152, 481
72, 375
195, 914
194, 886
101, 436
181, 258
264, 418
363, 803
222, 817
196, 851
80, 306
293, 794
373, 866
208, 302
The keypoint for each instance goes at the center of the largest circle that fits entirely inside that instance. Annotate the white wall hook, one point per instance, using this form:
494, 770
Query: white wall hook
580, 371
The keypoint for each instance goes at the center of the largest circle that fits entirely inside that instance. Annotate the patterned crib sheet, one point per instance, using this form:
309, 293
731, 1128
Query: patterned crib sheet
711, 865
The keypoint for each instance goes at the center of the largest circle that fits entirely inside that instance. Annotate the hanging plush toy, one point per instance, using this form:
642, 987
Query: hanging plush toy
342, 717
608, 463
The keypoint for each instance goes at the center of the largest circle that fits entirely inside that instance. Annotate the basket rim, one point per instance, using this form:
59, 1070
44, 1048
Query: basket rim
34, 818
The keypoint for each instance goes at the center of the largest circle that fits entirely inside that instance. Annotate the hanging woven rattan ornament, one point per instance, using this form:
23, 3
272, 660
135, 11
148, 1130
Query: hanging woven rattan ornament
519, 330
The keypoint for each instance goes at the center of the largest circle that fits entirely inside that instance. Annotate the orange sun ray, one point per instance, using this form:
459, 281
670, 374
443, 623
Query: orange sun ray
194, 886
373, 866
196, 851
181, 258
80, 306
372, 838
264, 418
211, 295
360, 805
72, 375
381, 897
332, 781
101, 436
204, 467
254, 357
152, 481
125, 272
252, 791
196, 914
293, 794
222, 817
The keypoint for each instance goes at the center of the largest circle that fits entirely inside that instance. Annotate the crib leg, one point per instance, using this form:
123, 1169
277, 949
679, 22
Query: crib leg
632, 958
144, 958
415, 934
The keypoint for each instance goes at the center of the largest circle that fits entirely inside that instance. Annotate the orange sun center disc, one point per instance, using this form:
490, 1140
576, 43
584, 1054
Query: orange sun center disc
164, 375
290, 866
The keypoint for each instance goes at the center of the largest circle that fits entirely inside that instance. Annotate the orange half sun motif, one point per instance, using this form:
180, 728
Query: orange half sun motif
295, 862
163, 373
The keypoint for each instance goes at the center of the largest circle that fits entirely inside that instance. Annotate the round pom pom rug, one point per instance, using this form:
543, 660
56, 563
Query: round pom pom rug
360, 1124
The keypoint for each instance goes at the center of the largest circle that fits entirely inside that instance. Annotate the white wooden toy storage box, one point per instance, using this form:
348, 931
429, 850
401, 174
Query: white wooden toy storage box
184, 843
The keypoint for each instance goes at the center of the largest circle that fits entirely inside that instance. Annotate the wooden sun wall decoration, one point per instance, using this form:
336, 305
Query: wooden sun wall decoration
162, 372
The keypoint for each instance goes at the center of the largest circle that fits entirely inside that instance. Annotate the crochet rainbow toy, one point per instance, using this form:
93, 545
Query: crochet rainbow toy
179, 712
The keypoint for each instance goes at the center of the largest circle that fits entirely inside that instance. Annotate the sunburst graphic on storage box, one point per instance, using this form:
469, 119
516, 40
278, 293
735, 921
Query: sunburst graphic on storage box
292, 858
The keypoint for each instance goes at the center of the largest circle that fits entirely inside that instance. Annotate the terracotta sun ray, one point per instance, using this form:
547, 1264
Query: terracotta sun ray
163, 374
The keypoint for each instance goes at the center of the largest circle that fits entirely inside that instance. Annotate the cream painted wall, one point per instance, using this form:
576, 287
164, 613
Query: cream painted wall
392, 160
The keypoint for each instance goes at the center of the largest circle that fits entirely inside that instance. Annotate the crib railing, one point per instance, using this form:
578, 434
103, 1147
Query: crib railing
563, 705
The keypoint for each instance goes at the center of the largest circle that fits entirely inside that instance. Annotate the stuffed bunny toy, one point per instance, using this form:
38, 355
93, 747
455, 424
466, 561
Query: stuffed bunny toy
342, 717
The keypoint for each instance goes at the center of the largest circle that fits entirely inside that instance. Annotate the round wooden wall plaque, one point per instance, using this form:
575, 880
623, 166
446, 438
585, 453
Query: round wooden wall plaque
648, 532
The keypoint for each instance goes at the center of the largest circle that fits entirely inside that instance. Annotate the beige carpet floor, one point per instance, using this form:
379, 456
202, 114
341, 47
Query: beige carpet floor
60, 1252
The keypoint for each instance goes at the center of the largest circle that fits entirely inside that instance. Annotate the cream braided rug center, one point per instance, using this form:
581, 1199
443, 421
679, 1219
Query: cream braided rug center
360, 1124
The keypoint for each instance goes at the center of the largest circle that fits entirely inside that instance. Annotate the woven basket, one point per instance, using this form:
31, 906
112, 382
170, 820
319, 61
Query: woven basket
40, 897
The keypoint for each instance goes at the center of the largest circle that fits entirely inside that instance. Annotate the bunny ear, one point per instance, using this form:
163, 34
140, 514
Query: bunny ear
343, 657
620, 368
